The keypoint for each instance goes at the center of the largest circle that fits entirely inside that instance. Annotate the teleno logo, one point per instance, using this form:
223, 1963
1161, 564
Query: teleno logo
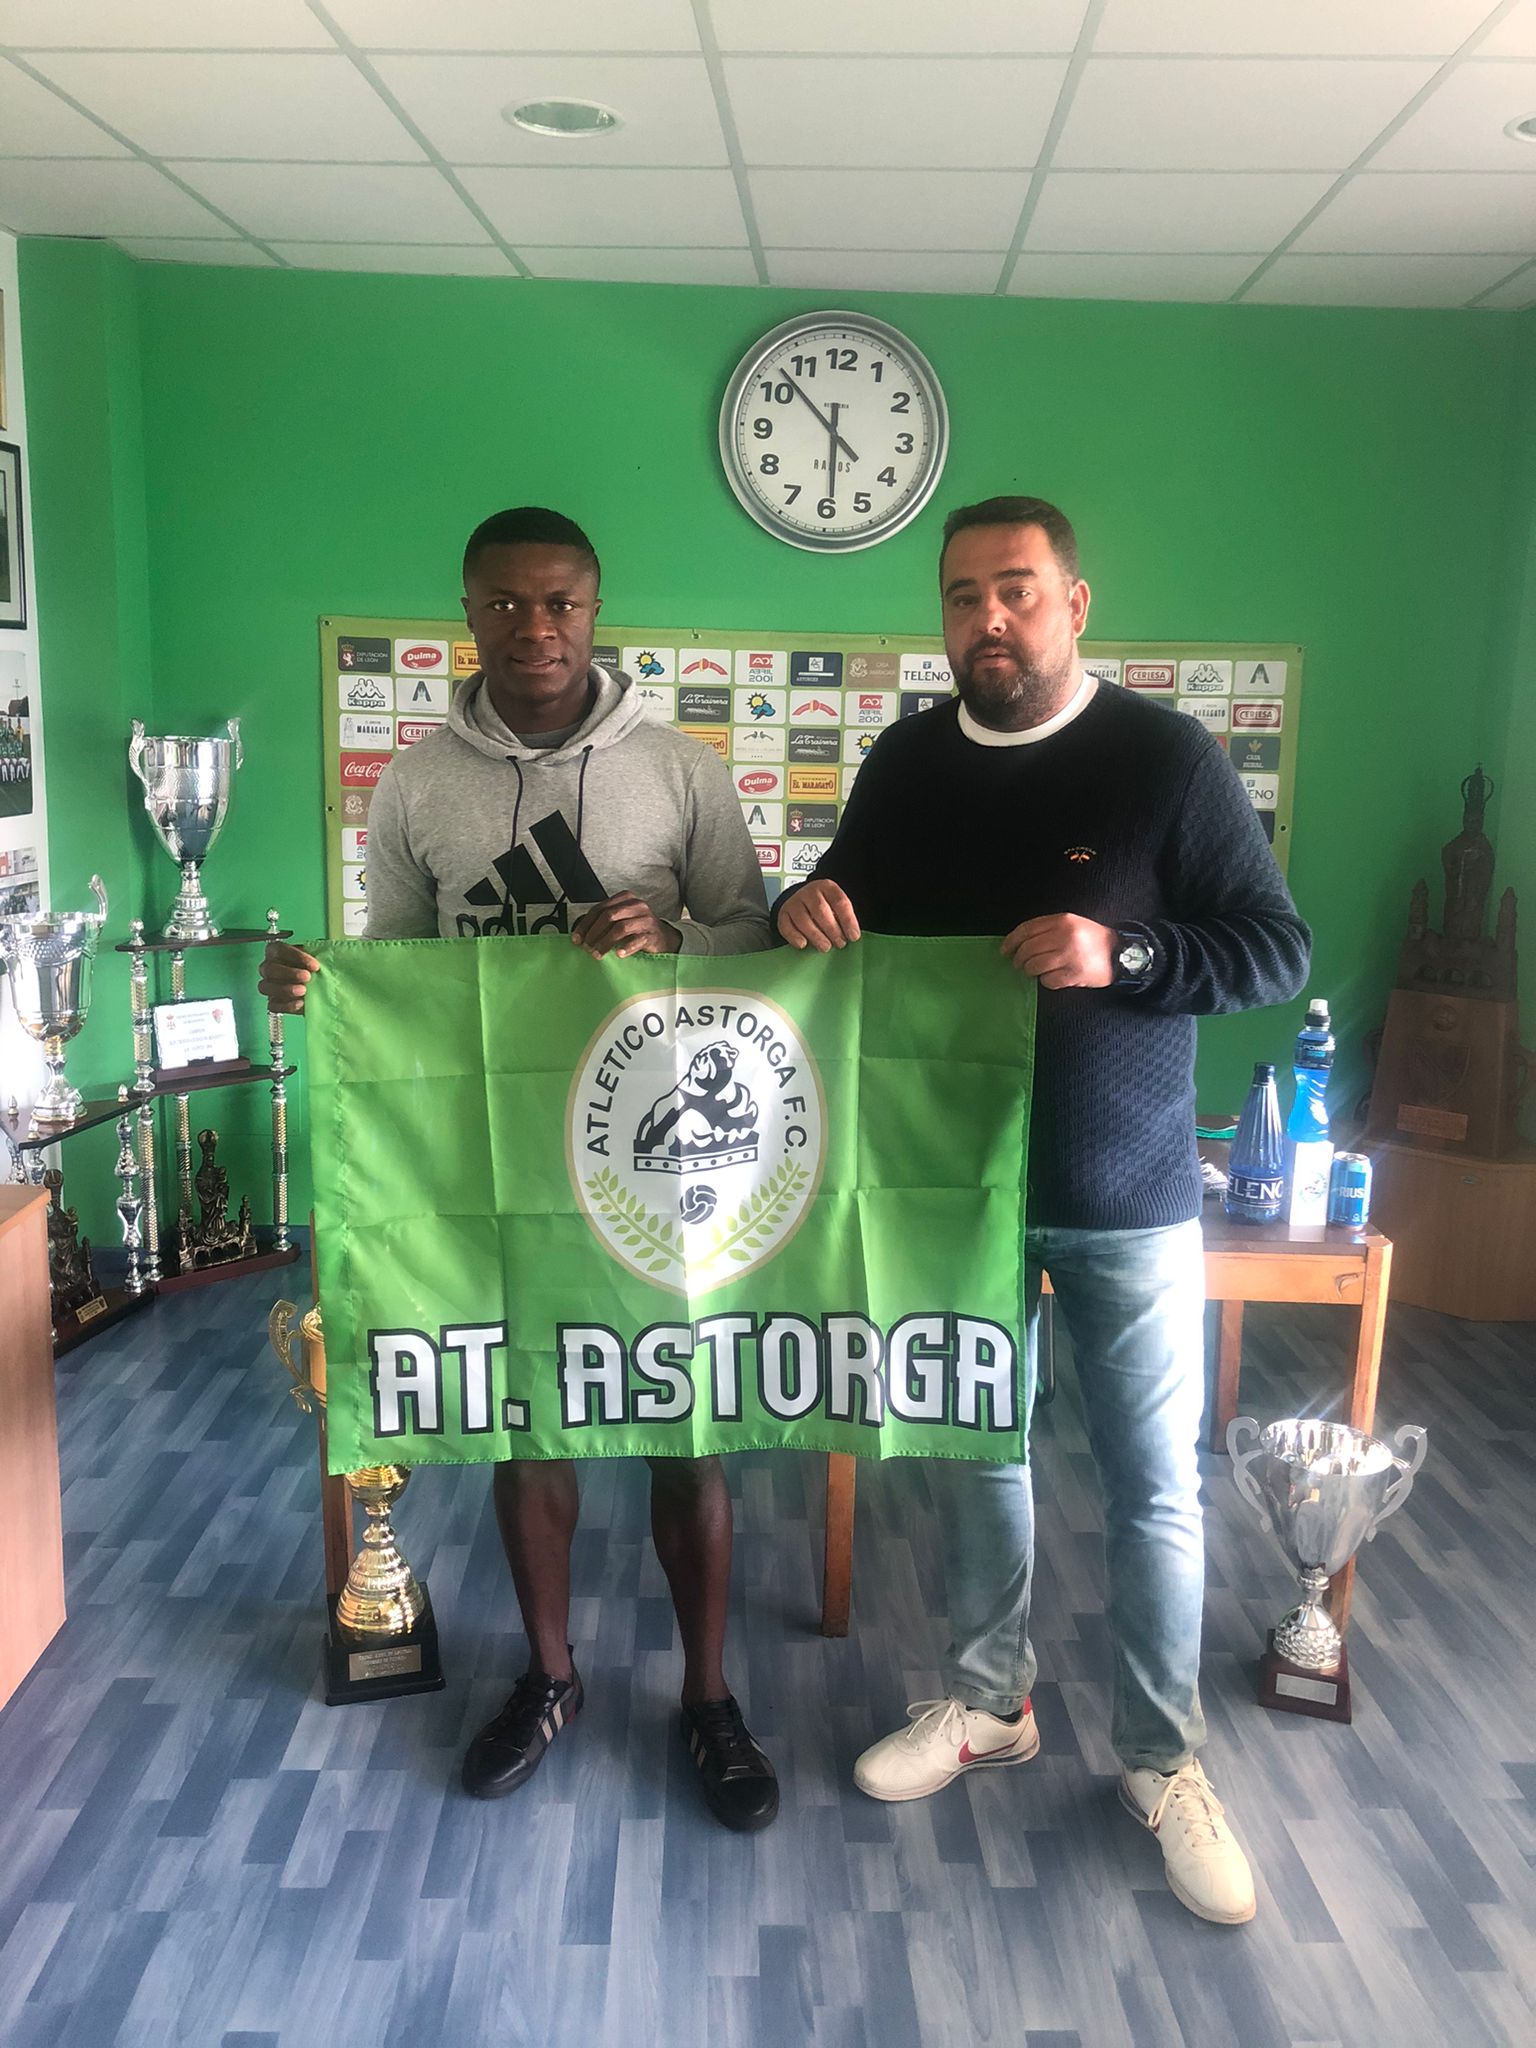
757, 782
424, 656
362, 771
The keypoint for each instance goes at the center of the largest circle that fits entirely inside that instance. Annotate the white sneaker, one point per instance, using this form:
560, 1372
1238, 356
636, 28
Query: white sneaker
945, 1740
1207, 1871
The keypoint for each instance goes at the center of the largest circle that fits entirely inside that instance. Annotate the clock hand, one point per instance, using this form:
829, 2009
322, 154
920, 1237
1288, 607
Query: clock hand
815, 408
832, 458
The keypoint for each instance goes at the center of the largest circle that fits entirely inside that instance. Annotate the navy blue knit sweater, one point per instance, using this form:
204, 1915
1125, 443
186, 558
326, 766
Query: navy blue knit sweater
1132, 815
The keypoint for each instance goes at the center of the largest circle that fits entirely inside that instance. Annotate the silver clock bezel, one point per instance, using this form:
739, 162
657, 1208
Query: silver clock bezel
922, 372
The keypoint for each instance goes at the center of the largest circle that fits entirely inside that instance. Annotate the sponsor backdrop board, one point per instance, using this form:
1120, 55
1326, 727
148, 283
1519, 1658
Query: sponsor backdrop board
793, 715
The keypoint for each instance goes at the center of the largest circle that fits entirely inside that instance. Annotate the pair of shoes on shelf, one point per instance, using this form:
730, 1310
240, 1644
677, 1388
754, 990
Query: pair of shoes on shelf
739, 1785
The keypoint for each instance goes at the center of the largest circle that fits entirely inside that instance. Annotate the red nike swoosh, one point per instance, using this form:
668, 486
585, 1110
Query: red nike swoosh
969, 1756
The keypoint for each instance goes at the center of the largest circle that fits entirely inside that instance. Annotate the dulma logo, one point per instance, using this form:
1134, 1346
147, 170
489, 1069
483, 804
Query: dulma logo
695, 1135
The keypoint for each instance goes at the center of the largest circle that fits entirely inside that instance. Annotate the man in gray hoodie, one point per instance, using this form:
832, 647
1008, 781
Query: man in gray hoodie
552, 803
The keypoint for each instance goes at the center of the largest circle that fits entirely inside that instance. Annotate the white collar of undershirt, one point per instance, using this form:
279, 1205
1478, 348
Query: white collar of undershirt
986, 736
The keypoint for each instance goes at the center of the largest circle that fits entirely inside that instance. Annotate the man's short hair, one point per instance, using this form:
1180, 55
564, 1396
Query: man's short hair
530, 523
1051, 520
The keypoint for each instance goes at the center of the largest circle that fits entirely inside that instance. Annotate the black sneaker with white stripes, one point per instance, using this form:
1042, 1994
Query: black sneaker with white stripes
509, 1749
740, 1788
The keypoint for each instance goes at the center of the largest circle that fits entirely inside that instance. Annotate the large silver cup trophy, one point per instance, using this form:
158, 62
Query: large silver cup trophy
48, 965
1324, 1490
186, 793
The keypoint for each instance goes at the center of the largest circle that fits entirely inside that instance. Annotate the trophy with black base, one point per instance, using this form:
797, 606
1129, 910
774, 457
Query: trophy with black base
382, 1640
1324, 1490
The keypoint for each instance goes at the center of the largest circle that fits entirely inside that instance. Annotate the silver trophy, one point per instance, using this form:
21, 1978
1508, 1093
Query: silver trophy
1324, 1490
186, 793
48, 965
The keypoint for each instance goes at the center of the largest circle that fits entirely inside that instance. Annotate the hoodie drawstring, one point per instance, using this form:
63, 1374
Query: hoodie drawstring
518, 806
581, 794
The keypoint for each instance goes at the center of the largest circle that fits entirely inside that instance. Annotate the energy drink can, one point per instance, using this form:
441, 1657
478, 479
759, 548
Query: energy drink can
1349, 1190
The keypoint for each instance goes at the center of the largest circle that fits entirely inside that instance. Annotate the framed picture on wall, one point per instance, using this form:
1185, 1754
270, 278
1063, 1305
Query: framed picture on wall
13, 596
2, 360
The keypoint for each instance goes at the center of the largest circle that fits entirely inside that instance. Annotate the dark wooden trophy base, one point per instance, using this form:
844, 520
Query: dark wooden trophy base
1291, 1690
405, 1664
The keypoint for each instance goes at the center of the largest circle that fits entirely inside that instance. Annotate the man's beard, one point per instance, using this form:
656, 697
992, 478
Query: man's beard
1012, 696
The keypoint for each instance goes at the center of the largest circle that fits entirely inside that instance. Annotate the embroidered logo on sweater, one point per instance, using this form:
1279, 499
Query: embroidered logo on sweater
1080, 854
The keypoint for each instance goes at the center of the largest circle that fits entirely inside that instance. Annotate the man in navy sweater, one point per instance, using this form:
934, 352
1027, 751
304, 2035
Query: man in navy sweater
1112, 843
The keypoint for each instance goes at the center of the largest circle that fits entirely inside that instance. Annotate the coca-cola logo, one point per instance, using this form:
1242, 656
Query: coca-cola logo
421, 657
757, 783
362, 771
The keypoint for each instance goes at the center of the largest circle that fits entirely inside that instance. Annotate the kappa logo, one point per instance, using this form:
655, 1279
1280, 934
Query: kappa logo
362, 693
523, 897
696, 1133
1081, 854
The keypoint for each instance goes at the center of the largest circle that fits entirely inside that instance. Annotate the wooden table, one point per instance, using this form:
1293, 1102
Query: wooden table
1243, 1263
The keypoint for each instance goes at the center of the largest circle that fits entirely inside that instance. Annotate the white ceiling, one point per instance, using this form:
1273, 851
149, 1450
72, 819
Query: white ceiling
1339, 152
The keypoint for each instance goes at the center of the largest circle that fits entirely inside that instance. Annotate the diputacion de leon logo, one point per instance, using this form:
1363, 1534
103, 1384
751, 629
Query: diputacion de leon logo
695, 1135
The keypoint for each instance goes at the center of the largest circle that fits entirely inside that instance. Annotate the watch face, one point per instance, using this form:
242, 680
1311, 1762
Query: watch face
1136, 957
833, 431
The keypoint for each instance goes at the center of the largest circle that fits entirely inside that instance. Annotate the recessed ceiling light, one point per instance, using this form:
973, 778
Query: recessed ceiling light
1523, 129
561, 117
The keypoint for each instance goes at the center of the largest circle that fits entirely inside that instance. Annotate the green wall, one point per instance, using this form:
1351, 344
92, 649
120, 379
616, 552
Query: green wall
310, 443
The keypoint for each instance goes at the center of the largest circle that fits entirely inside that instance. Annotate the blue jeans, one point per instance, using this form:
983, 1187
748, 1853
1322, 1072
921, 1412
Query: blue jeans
1133, 1303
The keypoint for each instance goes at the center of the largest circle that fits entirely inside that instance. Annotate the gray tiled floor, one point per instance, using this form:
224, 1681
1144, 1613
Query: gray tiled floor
194, 1849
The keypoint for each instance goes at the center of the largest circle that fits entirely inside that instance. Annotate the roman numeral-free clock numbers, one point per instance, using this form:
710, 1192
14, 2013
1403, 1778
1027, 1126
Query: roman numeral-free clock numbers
833, 432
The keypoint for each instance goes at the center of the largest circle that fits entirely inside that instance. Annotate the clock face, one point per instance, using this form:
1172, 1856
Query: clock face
833, 432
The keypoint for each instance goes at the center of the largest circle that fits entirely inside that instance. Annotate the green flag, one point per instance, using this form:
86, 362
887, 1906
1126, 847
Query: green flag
669, 1206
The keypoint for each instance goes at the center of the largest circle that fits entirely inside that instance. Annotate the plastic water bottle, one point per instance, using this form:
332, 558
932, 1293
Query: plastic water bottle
1312, 1062
1308, 1147
1256, 1164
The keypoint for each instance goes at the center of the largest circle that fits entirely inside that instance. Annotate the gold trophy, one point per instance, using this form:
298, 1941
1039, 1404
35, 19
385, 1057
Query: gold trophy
382, 1640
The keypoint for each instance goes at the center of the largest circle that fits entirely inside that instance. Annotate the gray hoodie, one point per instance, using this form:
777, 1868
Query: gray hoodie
473, 832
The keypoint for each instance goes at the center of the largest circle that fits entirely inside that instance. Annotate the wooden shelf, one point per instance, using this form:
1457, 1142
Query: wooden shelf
27, 1137
67, 1332
238, 938
231, 1269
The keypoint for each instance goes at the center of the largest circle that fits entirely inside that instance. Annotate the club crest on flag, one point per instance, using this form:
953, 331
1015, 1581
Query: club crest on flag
695, 1135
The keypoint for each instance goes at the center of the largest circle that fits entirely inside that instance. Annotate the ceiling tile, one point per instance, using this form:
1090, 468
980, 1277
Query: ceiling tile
324, 202
36, 122
1052, 276
1516, 293
160, 25
439, 260
645, 266
1289, 28
1515, 35
888, 209
885, 270
317, 109
1470, 212
898, 27
1376, 280
950, 113
666, 105
600, 25
610, 209
1208, 211
1241, 114
1460, 127
58, 197
195, 249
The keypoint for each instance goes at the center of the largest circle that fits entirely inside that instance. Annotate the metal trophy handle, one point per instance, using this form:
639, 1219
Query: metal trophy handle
285, 1342
100, 894
234, 738
1242, 1478
136, 750
1412, 1442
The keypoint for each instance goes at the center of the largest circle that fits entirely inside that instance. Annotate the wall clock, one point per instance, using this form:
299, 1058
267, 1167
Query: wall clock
833, 431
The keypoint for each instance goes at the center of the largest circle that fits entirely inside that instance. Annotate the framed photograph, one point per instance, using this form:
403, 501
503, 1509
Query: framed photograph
13, 596
2, 362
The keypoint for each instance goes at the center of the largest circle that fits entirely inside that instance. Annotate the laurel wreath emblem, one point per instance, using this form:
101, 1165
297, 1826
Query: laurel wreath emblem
669, 1251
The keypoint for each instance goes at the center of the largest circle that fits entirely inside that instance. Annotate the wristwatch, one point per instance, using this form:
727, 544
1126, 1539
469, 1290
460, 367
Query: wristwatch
1134, 955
